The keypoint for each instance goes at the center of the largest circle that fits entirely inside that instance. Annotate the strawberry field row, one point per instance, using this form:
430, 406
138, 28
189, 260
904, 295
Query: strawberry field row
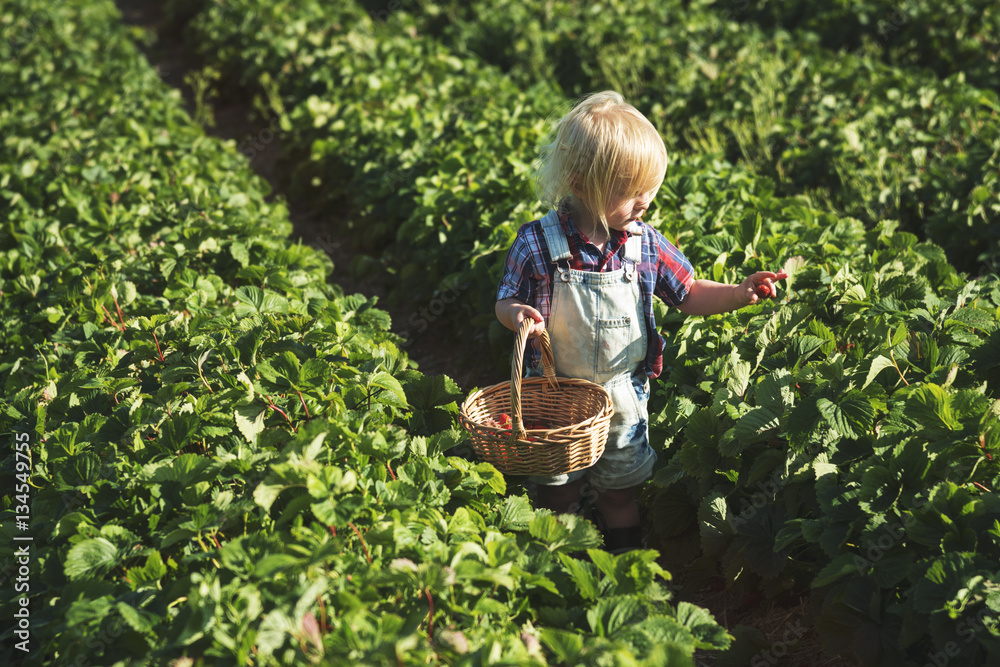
800, 436
871, 139
230, 460
946, 38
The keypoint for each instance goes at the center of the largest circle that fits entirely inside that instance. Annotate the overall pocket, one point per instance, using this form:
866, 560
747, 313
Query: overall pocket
617, 344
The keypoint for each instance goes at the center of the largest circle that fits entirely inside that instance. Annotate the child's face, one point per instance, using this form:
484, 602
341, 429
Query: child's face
628, 209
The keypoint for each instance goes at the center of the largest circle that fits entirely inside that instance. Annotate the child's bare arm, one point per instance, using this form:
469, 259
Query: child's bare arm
707, 297
511, 312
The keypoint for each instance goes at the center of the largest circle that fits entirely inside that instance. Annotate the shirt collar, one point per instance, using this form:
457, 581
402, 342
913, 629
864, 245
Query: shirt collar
616, 240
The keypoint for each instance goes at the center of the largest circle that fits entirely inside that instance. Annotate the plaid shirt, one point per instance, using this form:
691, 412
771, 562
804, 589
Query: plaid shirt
528, 274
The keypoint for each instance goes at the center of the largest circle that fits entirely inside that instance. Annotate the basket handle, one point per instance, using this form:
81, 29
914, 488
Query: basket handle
516, 363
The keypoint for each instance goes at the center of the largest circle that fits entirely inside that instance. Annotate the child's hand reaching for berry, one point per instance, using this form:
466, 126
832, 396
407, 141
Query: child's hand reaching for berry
707, 297
761, 286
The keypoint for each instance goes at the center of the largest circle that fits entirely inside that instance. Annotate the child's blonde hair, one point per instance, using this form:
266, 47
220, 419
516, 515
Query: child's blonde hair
607, 149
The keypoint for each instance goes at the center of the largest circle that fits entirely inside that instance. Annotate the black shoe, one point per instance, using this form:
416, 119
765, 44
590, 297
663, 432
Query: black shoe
619, 540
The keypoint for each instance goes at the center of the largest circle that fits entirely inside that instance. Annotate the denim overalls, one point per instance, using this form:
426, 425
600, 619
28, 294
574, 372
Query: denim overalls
598, 333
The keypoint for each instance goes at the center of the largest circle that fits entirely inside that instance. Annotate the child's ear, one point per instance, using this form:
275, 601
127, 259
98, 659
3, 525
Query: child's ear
574, 185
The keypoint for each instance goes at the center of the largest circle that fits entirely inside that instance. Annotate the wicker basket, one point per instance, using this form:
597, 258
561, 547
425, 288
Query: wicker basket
578, 411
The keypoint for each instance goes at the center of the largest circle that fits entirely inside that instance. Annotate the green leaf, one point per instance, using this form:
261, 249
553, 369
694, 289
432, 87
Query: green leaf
567, 532
714, 523
975, 318
791, 267
256, 301
151, 573
852, 417
424, 392
140, 621
740, 373
879, 488
802, 418
240, 253
566, 645
700, 623
774, 391
583, 575
802, 347
748, 233
179, 430
930, 405
879, 364
250, 429
94, 556
899, 335
610, 614
515, 513
758, 425
273, 629
395, 395
839, 567
265, 494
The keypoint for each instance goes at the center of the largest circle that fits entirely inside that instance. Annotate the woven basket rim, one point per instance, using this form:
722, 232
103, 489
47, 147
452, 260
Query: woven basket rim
539, 451
580, 386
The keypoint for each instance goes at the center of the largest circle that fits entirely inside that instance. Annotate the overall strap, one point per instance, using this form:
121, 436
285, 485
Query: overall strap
633, 255
633, 248
555, 237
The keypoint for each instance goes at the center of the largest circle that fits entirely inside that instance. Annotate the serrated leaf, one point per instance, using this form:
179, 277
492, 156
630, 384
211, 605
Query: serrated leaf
394, 394
879, 364
758, 425
714, 523
740, 374
515, 513
702, 625
802, 347
568, 532
140, 621
975, 318
256, 301
179, 430
150, 573
564, 644
610, 614
424, 392
583, 574
802, 418
774, 391
879, 488
240, 253
94, 556
841, 566
748, 233
250, 428
852, 417
899, 335
930, 405
265, 494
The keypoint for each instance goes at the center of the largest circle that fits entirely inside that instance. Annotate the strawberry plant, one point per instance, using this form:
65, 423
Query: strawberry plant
808, 442
876, 140
946, 39
800, 435
231, 460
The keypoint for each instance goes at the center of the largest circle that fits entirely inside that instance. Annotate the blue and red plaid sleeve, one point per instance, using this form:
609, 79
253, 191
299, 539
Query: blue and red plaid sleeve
520, 275
674, 273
